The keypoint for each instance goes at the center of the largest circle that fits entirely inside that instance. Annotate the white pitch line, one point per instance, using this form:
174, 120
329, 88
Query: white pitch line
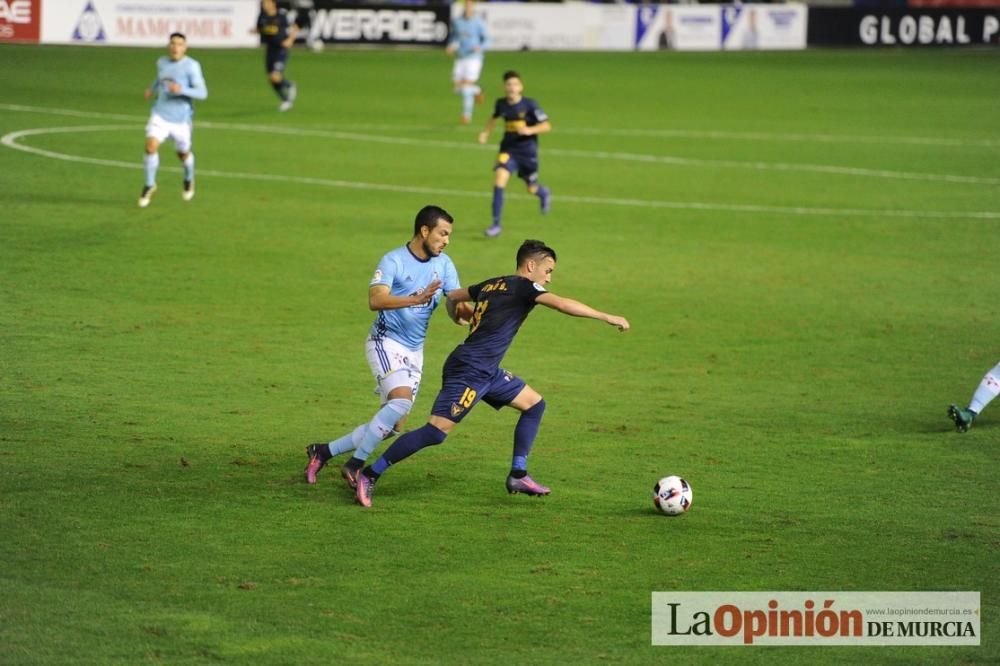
566, 152
786, 136
11, 141
714, 135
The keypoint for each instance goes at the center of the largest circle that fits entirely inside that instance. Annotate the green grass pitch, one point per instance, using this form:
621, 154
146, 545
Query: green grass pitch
806, 245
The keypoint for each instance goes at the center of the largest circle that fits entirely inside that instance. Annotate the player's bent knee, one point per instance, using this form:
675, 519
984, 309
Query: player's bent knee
401, 407
537, 409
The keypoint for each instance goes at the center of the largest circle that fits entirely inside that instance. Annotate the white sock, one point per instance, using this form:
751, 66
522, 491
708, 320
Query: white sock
151, 163
468, 99
189, 167
988, 389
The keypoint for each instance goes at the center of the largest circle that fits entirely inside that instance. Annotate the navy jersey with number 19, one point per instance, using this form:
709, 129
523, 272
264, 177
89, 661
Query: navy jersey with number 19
502, 305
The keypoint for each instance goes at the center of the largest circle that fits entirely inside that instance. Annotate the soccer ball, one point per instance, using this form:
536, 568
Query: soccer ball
672, 495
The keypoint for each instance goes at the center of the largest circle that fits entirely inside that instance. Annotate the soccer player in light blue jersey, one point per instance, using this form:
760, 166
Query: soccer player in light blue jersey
467, 42
408, 284
178, 81
988, 389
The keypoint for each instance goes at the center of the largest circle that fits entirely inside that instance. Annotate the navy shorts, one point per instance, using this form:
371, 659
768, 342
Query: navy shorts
461, 391
525, 166
275, 60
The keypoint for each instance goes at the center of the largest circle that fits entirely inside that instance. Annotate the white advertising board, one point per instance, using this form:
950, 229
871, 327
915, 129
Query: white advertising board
570, 26
714, 27
678, 27
206, 23
768, 27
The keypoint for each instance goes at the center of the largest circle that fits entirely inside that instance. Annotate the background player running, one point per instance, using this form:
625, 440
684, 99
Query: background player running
524, 120
179, 80
467, 42
278, 35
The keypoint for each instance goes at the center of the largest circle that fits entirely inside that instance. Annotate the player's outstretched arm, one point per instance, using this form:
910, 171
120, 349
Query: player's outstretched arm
578, 309
379, 297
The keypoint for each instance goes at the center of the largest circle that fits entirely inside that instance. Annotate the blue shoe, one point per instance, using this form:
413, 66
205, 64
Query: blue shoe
545, 198
493, 231
963, 418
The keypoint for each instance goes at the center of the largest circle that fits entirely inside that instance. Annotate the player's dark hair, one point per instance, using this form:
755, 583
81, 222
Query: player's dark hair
177, 34
429, 216
534, 249
510, 74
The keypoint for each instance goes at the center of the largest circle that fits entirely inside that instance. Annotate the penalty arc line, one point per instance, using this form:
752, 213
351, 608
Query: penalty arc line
10, 140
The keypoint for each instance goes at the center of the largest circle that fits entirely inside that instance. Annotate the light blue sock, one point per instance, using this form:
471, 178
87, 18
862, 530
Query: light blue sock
189, 167
151, 164
381, 427
988, 389
348, 442
468, 97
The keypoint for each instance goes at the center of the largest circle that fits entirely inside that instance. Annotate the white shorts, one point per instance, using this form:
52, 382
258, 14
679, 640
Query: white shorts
160, 129
467, 69
393, 365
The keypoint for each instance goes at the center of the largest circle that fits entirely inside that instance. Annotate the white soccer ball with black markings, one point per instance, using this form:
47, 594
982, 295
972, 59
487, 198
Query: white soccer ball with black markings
672, 495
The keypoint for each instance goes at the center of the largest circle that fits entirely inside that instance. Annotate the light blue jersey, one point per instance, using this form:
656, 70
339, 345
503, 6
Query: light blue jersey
177, 108
406, 275
468, 33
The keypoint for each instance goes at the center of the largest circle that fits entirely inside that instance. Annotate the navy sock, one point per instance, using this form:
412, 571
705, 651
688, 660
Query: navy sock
524, 435
497, 204
280, 89
406, 446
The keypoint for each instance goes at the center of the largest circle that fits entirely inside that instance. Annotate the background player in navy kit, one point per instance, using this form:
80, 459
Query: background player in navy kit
472, 372
524, 120
278, 35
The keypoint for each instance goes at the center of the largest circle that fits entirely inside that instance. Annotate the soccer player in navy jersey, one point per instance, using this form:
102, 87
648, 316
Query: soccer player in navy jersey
278, 35
523, 120
407, 286
472, 372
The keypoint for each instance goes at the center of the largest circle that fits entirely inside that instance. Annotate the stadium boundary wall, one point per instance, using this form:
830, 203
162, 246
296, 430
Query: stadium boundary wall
513, 26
